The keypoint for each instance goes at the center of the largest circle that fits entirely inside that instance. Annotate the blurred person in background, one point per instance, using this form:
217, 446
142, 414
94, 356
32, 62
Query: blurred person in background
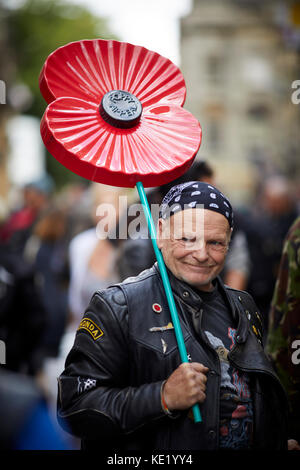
283, 344
26, 421
93, 255
18, 226
266, 227
74, 200
22, 313
46, 251
138, 254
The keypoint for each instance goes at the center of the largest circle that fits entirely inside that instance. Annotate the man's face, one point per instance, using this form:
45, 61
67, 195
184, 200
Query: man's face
194, 244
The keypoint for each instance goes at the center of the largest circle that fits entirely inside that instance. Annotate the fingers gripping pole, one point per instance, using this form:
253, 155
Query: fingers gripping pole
167, 287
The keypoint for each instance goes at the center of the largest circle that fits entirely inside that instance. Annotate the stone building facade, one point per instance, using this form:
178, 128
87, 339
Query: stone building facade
239, 72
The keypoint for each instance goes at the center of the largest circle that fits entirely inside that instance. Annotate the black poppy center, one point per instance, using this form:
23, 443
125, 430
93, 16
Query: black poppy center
121, 109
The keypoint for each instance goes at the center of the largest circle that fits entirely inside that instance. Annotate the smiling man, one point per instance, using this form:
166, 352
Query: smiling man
126, 388
194, 244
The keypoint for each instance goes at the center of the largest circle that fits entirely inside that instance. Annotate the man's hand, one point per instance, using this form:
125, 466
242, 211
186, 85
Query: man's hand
185, 386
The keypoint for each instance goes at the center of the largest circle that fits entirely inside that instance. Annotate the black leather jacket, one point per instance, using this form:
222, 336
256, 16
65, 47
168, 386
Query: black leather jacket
109, 392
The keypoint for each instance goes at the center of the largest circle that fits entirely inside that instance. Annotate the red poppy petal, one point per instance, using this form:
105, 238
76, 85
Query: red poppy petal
90, 68
158, 150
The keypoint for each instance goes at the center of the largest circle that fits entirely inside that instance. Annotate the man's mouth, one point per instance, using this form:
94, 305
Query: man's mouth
199, 266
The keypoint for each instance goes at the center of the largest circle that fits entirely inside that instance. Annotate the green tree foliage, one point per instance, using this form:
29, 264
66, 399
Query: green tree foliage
39, 27
36, 29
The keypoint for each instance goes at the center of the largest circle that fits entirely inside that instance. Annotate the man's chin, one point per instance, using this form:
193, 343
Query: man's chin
200, 284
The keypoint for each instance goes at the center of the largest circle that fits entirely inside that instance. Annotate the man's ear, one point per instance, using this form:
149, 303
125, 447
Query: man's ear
159, 233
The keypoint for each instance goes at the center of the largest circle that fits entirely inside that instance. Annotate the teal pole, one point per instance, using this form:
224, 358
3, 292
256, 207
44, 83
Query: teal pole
167, 287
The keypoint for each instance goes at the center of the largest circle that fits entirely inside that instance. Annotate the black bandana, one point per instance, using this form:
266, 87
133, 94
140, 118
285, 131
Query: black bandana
188, 195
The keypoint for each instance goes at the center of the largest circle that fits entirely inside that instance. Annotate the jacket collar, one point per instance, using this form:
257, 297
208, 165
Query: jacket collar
192, 298
181, 289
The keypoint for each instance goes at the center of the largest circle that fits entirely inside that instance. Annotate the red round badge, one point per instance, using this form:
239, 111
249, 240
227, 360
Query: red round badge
157, 308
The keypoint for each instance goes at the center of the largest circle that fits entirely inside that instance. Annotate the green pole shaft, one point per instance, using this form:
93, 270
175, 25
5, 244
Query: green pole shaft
167, 286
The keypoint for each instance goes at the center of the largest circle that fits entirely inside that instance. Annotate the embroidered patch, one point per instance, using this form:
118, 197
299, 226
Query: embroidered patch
91, 327
85, 384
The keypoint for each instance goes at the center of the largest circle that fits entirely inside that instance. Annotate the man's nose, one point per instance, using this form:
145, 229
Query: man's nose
201, 252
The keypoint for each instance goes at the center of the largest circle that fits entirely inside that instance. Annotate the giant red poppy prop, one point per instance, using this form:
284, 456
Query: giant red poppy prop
115, 114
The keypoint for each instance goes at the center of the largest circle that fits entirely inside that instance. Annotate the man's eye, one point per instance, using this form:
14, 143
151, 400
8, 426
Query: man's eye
188, 240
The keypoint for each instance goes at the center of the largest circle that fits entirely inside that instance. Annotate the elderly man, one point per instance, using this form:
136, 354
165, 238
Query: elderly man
124, 387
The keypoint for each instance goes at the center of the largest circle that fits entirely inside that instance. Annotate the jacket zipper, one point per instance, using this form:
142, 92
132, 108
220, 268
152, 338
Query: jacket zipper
218, 364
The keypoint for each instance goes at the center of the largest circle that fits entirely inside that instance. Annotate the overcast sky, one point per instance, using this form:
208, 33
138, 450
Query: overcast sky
150, 23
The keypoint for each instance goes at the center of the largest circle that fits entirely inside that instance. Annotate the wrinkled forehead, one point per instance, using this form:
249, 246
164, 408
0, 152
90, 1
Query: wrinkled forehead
197, 222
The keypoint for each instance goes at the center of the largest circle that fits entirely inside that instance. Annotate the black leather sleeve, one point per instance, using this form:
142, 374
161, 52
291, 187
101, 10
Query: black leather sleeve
95, 398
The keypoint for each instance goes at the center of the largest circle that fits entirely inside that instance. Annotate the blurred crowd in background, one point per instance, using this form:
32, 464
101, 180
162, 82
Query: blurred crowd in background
52, 260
